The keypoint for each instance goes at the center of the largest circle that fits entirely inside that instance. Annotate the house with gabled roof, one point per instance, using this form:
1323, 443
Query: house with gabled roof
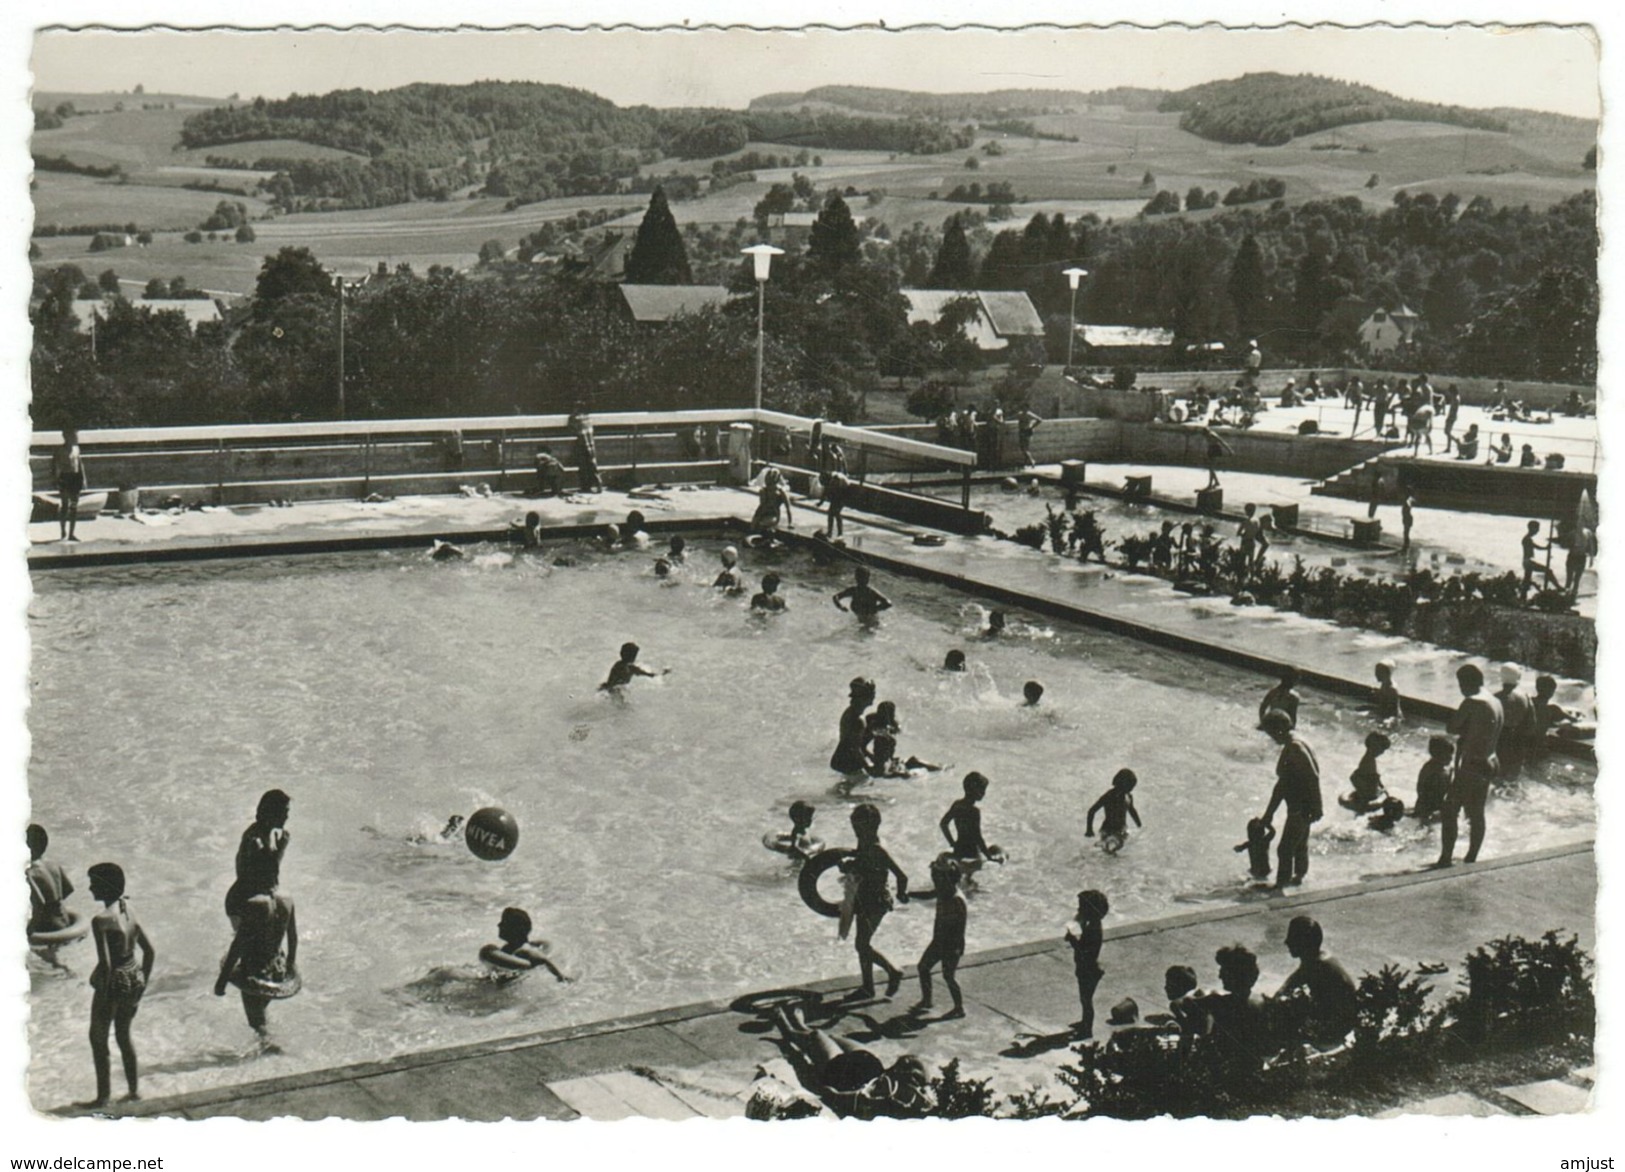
1000, 317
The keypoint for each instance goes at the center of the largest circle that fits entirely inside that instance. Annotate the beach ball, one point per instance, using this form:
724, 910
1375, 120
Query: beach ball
491, 833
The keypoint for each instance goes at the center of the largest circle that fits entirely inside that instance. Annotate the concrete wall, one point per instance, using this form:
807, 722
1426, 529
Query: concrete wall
1516, 492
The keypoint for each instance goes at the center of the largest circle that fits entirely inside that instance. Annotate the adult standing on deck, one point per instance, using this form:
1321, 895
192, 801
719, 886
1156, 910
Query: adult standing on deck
1477, 729
1297, 786
1452, 409
1255, 361
1026, 424
586, 450
68, 468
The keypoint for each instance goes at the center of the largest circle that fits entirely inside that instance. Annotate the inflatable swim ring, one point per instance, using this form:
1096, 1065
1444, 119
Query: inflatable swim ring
783, 844
76, 928
812, 871
1111, 843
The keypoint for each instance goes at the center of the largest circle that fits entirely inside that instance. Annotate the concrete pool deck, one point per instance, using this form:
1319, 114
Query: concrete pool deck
699, 1060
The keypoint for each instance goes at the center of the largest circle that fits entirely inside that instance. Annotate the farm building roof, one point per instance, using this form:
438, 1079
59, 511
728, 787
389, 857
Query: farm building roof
655, 303
196, 310
1001, 315
1125, 336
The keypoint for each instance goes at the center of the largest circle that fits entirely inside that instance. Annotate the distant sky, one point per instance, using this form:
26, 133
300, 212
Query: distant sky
1536, 67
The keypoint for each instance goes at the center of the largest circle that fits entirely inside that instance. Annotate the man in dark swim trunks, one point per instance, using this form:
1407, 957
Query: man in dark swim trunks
259, 853
69, 467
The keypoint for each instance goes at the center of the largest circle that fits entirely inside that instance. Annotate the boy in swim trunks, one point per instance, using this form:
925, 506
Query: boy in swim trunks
962, 827
117, 981
1085, 936
1368, 793
1433, 781
947, 945
1477, 728
1116, 806
48, 886
863, 599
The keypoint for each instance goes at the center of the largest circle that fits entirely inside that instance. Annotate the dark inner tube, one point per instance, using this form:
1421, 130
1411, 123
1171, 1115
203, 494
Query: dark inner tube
812, 871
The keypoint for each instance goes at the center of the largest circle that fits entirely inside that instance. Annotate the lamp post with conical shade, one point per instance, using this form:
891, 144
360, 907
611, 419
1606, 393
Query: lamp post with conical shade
761, 256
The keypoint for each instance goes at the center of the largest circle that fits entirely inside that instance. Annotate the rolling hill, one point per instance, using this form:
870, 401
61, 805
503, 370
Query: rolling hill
992, 104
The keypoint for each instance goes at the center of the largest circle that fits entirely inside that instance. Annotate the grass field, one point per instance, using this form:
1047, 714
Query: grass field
1101, 173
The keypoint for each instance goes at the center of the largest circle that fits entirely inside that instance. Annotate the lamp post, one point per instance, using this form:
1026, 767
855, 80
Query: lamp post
338, 285
761, 256
1073, 276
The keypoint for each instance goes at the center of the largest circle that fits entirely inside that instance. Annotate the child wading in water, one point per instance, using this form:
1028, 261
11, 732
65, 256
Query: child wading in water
870, 866
882, 729
518, 953
1434, 778
117, 980
862, 599
947, 935
1117, 807
625, 669
768, 599
962, 827
1385, 703
1085, 935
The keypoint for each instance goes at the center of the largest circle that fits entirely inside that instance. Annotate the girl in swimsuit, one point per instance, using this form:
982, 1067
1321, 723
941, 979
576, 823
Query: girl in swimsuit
848, 757
117, 980
869, 866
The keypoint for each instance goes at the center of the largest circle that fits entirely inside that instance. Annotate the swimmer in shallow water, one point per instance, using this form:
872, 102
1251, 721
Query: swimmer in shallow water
962, 827
768, 600
954, 661
798, 841
1116, 807
995, 625
862, 599
517, 952
1032, 692
445, 551
882, 729
677, 551
729, 581
625, 669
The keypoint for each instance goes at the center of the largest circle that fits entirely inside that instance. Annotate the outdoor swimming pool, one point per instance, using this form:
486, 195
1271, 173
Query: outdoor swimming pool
387, 691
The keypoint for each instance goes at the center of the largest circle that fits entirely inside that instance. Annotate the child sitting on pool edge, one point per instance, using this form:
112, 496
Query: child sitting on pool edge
517, 952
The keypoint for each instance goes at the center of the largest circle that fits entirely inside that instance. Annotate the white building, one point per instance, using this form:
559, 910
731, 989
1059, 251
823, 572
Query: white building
1387, 330
999, 316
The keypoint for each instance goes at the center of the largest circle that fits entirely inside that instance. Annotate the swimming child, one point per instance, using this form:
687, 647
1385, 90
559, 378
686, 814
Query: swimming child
995, 625
954, 660
626, 668
863, 599
1385, 702
1085, 935
263, 958
677, 552
517, 952
1434, 778
947, 945
768, 600
1368, 793
1116, 806
48, 885
729, 580
531, 533
1032, 692
962, 827
798, 841
1554, 718
1259, 836
663, 568
259, 852
445, 551
117, 981
609, 538
1388, 815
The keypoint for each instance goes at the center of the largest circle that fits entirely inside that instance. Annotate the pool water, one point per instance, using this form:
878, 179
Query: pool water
385, 691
